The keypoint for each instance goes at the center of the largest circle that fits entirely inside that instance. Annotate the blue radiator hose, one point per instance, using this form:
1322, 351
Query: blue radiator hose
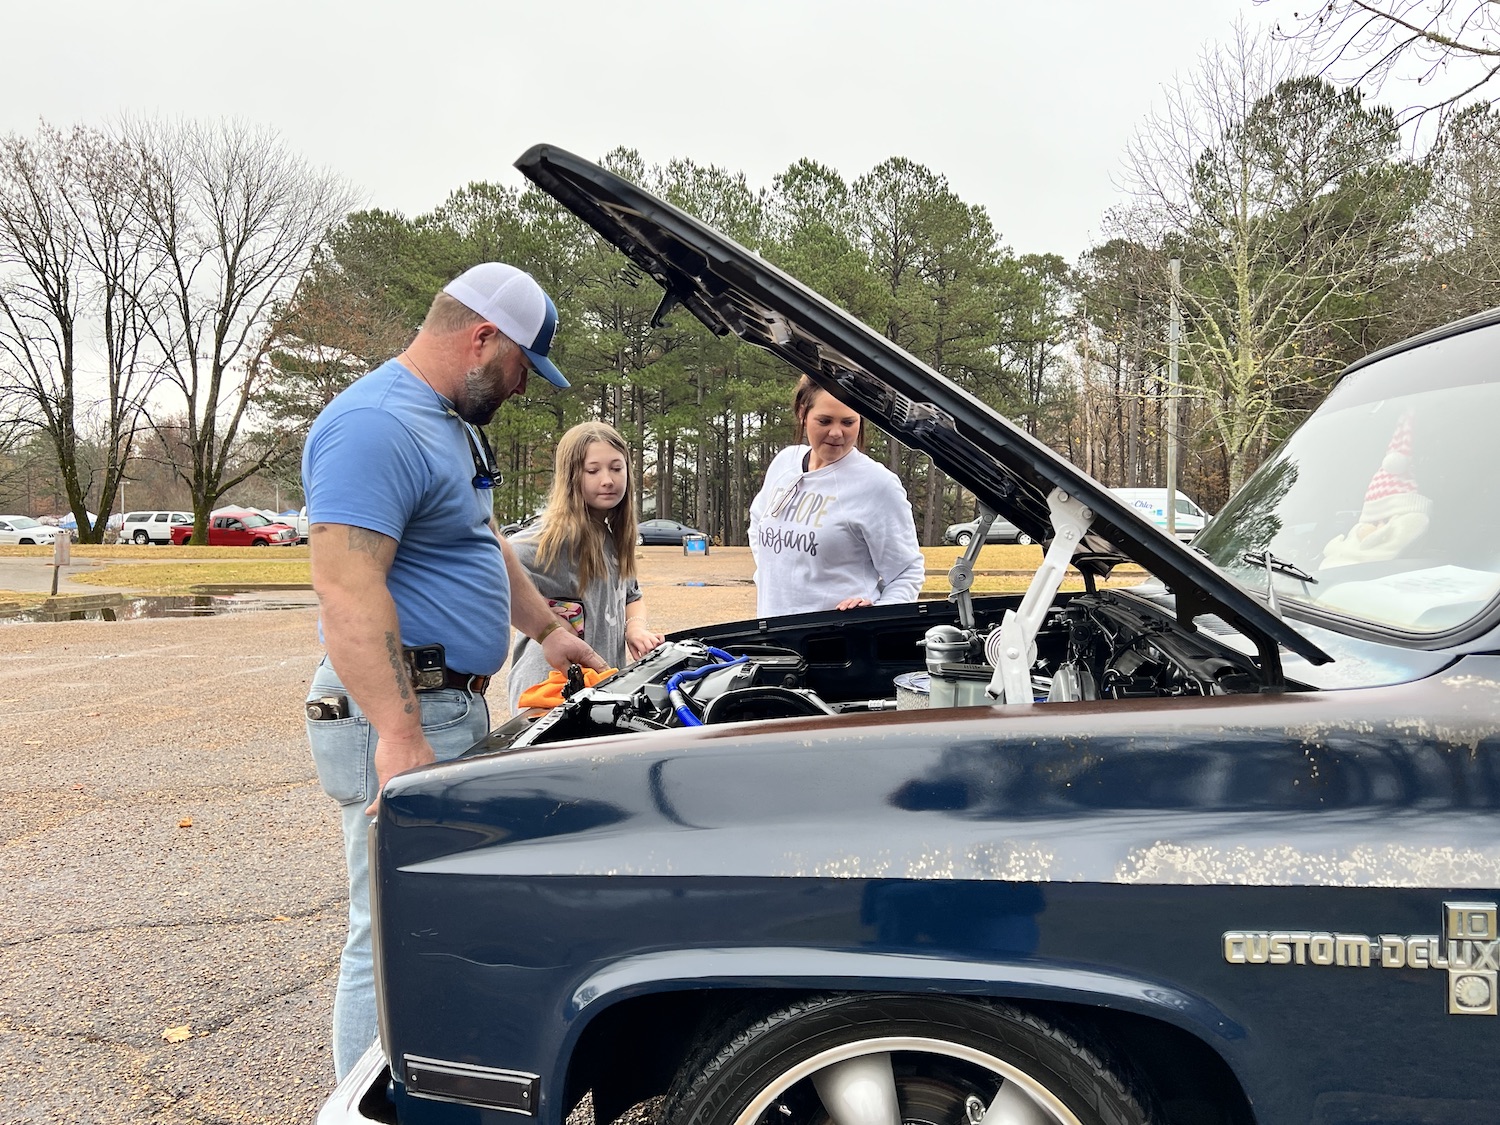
676, 680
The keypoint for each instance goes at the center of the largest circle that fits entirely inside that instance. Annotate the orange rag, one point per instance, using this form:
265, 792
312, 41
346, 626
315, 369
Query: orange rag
548, 693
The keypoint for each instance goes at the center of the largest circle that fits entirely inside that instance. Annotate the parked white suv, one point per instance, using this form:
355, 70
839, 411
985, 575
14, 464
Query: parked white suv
152, 527
25, 530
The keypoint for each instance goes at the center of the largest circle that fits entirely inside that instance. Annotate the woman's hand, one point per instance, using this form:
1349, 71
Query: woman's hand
853, 603
640, 638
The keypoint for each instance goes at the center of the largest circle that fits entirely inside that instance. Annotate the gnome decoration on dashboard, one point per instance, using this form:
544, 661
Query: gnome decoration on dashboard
1394, 512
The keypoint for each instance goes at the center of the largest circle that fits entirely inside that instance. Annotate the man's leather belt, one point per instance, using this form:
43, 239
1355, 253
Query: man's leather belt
465, 682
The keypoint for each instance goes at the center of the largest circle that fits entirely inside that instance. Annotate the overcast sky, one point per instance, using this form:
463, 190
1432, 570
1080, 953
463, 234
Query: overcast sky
1025, 108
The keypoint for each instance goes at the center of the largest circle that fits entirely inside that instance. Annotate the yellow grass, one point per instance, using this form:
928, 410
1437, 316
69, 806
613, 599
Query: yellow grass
181, 578
166, 570
1000, 568
1007, 569
134, 553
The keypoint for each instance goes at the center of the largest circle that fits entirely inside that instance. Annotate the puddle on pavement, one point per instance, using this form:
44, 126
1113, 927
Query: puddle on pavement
154, 606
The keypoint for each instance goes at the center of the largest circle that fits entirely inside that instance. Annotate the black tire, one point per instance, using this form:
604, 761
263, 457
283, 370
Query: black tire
947, 1061
640, 540
141, 537
260, 543
1025, 540
964, 538
28, 543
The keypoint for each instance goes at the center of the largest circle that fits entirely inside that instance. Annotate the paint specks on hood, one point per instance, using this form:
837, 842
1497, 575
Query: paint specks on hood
1378, 865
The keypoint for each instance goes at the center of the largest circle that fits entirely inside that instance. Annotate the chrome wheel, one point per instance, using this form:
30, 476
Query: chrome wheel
902, 1060
911, 1082
964, 538
141, 537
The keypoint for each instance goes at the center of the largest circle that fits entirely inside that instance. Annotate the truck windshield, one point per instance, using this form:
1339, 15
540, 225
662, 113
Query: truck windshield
1381, 507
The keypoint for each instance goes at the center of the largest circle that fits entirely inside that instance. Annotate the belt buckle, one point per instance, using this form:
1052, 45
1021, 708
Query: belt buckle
471, 682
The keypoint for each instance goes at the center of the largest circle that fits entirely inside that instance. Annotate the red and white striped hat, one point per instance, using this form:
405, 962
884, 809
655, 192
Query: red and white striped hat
1393, 490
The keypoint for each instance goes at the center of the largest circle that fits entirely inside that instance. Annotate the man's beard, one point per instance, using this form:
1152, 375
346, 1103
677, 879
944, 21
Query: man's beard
483, 391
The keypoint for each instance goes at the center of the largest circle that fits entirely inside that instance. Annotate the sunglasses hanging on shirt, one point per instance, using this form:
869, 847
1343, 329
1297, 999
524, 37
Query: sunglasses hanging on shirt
486, 474
783, 505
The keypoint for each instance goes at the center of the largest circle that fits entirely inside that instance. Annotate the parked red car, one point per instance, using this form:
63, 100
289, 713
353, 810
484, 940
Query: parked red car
244, 530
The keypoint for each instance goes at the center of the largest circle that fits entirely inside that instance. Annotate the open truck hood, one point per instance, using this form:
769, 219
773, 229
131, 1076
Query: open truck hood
733, 290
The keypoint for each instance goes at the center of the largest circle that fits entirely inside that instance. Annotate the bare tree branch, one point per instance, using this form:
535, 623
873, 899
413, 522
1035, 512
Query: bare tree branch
237, 219
1283, 197
72, 265
1368, 42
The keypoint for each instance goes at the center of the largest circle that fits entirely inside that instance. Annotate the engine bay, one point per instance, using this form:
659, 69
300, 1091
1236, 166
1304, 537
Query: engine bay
1044, 647
1041, 648
1107, 645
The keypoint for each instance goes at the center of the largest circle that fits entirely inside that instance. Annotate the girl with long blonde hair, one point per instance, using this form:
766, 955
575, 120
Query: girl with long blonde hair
581, 555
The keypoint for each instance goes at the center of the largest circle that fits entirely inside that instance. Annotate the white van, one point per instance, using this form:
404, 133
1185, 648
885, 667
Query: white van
152, 527
1151, 503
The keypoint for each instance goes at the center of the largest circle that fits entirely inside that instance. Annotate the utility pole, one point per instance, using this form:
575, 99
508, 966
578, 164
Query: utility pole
1173, 331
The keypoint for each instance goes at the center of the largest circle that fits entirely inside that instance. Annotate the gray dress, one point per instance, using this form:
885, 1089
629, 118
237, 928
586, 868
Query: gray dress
604, 605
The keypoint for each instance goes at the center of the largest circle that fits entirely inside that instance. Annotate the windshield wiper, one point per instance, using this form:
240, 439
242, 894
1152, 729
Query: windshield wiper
1280, 566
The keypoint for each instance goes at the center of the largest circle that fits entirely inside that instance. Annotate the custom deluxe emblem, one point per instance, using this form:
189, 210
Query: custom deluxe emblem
1469, 949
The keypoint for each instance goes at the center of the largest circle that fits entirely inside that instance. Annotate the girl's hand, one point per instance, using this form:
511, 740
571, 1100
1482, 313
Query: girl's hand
640, 639
853, 603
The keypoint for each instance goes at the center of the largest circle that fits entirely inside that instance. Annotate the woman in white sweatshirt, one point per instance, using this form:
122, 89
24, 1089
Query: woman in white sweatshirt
830, 528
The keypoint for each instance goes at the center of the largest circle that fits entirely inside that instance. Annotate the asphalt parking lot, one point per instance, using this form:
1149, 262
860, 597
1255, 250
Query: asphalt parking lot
171, 887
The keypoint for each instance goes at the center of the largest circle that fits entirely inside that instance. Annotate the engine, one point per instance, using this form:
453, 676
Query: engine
1101, 646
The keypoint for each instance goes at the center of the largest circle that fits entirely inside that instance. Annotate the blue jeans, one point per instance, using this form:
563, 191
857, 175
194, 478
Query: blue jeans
343, 751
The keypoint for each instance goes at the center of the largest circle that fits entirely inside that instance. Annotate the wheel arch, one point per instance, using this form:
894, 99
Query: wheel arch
632, 1031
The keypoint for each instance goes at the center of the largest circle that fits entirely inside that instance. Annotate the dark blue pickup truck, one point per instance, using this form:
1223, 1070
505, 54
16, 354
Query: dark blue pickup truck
1218, 849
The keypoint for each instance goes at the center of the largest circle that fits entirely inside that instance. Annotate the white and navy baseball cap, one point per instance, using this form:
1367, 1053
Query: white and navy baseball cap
513, 301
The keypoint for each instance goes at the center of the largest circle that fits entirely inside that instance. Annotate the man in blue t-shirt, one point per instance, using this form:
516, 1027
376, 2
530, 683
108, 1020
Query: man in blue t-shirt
416, 590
